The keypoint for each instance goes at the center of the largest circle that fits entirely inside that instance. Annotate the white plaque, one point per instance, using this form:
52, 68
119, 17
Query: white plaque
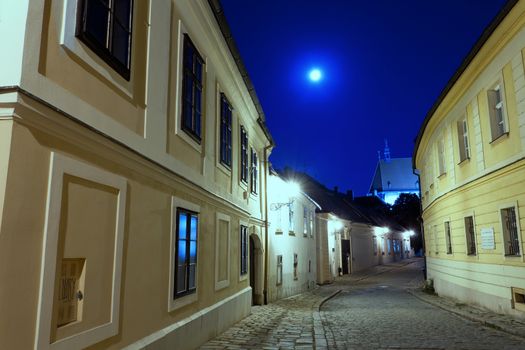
487, 238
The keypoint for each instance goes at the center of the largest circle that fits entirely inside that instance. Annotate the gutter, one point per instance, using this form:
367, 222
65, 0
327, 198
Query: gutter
266, 229
485, 35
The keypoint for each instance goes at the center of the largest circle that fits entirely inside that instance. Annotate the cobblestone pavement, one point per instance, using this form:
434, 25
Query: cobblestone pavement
378, 313
368, 310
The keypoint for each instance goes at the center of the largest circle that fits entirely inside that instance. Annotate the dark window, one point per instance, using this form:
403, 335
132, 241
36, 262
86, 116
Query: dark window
511, 241
254, 171
448, 240
279, 277
226, 132
186, 252
244, 155
244, 250
192, 89
105, 27
470, 235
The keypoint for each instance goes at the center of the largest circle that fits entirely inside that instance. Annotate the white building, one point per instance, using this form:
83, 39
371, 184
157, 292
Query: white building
292, 239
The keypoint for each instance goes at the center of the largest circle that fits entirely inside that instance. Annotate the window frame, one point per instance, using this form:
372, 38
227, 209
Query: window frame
243, 250
448, 236
244, 167
514, 207
195, 129
472, 239
291, 224
225, 131
189, 213
305, 221
442, 167
497, 86
279, 272
105, 52
463, 140
295, 267
254, 172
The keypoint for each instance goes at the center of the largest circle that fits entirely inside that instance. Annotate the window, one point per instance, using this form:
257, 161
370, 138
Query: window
464, 148
295, 263
305, 221
447, 237
510, 232
226, 132
244, 155
312, 217
441, 156
244, 250
374, 244
389, 246
435, 235
192, 64
470, 235
105, 27
279, 278
254, 171
291, 228
186, 252
496, 111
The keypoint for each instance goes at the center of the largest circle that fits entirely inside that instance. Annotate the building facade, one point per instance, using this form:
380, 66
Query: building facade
132, 175
292, 240
470, 153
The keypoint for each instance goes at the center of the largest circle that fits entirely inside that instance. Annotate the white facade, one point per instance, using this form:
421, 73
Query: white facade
292, 240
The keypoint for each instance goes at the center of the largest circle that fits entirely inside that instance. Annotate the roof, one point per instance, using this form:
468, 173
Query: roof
341, 204
394, 175
218, 12
489, 30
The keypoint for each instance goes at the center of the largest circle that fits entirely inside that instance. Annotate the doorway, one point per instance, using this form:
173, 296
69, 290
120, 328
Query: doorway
256, 281
345, 256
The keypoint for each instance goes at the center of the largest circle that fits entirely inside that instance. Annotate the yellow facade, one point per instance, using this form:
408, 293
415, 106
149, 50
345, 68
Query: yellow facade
94, 170
482, 172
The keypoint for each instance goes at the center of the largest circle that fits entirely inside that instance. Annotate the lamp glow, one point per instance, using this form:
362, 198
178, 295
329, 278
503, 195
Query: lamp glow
315, 75
293, 189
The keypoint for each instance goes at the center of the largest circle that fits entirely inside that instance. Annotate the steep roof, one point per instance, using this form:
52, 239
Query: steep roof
394, 175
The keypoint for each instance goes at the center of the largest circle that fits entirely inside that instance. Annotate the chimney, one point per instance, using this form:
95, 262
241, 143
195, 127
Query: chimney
350, 194
336, 189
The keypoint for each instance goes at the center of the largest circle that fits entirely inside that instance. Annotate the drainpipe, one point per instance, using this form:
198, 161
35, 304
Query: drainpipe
266, 229
422, 228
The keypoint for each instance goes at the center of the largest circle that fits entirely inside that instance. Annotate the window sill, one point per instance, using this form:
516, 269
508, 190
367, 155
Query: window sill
507, 256
471, 254
224, 168
291, 233
278, 232
464, 161
442, 175
182, 301
305, 235
498, 139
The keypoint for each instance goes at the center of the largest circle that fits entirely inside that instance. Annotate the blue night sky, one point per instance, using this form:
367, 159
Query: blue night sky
384, 64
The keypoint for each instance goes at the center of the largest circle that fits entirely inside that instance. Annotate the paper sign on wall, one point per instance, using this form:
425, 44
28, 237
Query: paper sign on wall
487, 238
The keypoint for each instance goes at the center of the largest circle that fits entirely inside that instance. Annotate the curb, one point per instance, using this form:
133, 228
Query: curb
319, 304
468, 316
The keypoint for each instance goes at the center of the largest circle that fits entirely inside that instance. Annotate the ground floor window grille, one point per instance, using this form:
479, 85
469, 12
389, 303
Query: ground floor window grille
470, 235
447, 237
279, 270
510, 232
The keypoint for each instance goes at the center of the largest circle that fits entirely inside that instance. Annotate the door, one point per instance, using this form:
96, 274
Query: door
345, 256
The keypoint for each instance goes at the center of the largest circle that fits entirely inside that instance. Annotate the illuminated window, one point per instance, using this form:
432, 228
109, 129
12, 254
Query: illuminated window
186, 252
244, 249
511, 241
470, 234
192, 64
496, 111
244, 155
447, 237
441, 156
105, 27
464, 148
305, 221
279, 277
226, 132
291, 228
254, 171
312, 218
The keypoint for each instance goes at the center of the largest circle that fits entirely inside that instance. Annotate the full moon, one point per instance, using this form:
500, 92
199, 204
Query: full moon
315, 75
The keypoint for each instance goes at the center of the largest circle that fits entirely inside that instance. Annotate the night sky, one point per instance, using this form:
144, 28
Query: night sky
384, 64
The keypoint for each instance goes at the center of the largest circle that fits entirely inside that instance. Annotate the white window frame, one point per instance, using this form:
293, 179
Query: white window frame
245, 276
518, 228
59, 165
448, 237
177, 303
463, 139
442, 167
291, 219
305, 220
463, 216
498, 85
279, 271
221, 284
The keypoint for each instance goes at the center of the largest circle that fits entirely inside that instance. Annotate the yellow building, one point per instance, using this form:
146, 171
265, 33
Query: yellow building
133, 162
470, 153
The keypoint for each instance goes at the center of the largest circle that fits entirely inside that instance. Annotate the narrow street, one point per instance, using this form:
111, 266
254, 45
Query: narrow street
372, 311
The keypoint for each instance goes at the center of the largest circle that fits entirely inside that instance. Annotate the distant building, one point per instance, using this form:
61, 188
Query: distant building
392, 177
351, 235
470, 153
291, 241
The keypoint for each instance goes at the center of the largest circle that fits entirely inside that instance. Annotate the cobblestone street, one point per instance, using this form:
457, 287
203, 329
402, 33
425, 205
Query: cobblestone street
367, 311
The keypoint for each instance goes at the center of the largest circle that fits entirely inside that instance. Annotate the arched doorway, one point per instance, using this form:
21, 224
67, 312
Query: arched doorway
256, 269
